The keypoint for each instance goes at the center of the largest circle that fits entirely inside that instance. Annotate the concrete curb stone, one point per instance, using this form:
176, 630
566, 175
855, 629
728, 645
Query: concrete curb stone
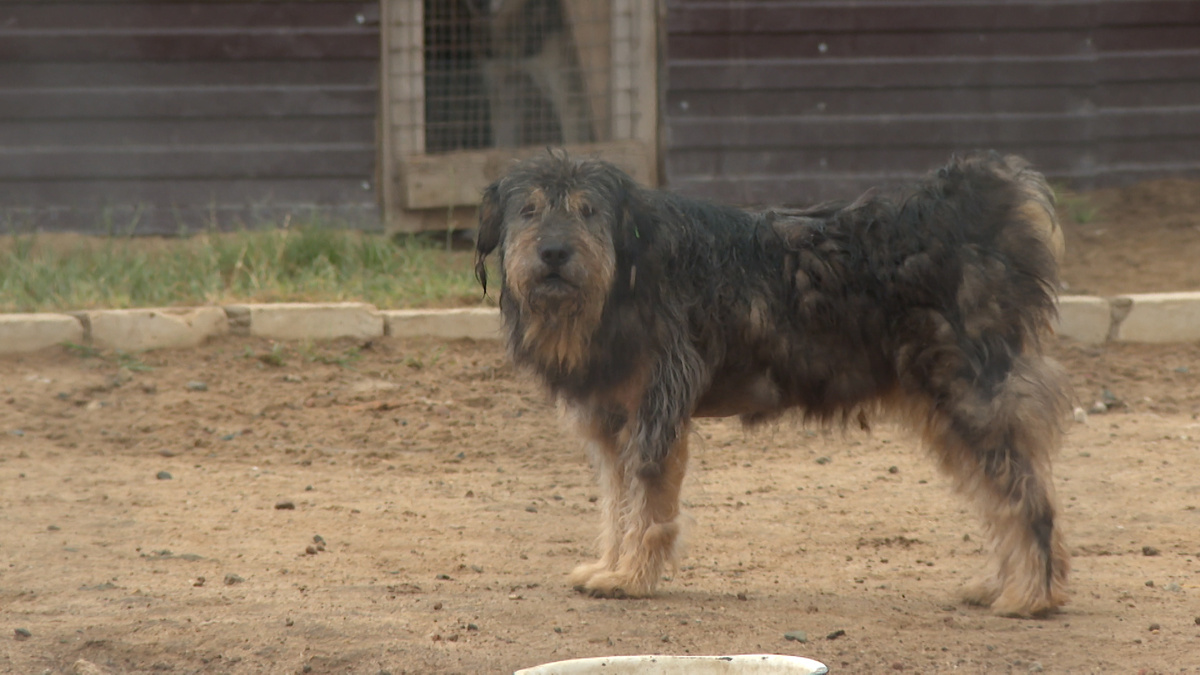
306, 321
1146, 317
159, 328
1083, 318
1157, 317
30, 332
478, 323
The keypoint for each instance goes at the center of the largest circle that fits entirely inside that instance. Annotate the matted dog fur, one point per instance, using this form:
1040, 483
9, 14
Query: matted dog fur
640, 310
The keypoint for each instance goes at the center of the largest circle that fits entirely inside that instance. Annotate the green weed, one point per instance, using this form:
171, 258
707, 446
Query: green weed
310, 263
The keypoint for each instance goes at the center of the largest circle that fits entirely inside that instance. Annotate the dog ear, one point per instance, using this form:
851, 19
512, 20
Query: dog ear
635, 221
635, 237
491, 230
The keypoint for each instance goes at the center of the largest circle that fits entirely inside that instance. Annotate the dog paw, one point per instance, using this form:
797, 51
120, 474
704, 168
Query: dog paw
608, 584
1015, 604
982, 592
581, 575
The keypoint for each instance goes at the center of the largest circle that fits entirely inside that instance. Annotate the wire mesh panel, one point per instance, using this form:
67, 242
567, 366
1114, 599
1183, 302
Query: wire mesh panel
469, 85
512, 73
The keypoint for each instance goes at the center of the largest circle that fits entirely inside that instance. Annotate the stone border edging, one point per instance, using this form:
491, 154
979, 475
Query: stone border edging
1145, 317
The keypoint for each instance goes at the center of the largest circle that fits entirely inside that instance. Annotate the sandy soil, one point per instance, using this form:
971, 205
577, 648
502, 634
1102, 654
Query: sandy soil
412, 506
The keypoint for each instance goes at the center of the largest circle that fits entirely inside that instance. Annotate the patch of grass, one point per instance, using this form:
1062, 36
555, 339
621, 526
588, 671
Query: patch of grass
343, 359
313, 263
1079, 208
121, 358
82, 351
132, 362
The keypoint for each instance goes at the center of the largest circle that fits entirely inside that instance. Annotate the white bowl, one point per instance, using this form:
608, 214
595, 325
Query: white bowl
741, 664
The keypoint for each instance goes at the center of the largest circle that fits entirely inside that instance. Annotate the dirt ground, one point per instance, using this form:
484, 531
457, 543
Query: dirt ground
414, 507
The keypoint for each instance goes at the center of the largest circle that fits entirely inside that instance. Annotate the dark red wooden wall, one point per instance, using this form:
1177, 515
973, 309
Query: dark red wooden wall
140, 116
787, 102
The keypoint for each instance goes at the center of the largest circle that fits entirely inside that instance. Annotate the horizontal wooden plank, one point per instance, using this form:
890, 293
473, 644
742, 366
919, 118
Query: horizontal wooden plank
458, 178
802, 16
232, 44
932, 129
142, 220
172, 192
683, 165
802, 190
94, 16
84, 133
19, 75
1000, 71
833, 102
183, 102
859, 45
294, 160
909, 100
1183, 151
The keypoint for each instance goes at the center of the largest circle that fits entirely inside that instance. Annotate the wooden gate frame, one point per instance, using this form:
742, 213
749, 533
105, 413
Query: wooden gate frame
412, 182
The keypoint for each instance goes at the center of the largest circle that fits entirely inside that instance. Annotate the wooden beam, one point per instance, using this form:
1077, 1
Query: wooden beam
458, 178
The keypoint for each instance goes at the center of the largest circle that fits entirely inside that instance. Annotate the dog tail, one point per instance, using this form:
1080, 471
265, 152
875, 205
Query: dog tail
994, 216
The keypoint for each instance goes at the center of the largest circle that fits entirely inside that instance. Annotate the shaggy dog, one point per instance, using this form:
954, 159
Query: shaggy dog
640, 310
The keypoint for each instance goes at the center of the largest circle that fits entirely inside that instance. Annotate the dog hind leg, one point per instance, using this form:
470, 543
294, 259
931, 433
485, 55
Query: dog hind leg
997, 445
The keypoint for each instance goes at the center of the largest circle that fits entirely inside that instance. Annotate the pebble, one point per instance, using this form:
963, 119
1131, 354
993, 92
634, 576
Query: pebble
82, 667
1080, 415
893, 469
1149, 550
53, 528
22, 634
197, 385
163, 475
835, 634
823, 460
231, 579
1098, 408
285, 505
1155, 628
742, 596
310, 549
1173, 587
531, 508
796, 636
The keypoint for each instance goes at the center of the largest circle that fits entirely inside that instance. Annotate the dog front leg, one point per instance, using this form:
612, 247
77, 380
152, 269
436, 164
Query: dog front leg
641, 531
642, 474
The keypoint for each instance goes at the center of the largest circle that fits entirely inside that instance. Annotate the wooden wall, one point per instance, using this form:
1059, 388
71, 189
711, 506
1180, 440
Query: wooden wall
156, 116
787, 102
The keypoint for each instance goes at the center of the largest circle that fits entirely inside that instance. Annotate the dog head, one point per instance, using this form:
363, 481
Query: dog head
566, 241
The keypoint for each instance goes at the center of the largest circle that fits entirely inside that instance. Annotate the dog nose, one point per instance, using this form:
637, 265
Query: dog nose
554, 253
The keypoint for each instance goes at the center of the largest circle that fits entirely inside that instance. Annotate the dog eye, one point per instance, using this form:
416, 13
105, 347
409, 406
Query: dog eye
587, 211
528, 210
